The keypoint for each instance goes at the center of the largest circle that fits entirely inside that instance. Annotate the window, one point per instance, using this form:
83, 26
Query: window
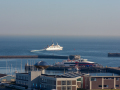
63, 82
68, 82
68, 87
105, 78
42, 79
40, 86
33, 85
54, 82
105, 85
16, 76
93, 79
26, 78
36, 85
19, 82
100, 86
117, 79
79, 79
108, 78
117, 85
21, 77
63, 87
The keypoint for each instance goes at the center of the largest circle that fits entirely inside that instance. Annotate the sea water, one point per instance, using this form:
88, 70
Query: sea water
94, 49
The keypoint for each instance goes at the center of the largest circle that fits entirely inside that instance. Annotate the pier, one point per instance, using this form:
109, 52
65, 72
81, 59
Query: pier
71, 57
86, 69
113, 54
82, 68
113, 70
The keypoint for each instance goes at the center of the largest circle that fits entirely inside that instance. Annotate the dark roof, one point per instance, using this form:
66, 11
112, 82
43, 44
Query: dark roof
2, 75
41, 63
66, 75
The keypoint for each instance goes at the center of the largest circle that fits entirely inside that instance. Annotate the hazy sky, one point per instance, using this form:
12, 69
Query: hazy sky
60, 17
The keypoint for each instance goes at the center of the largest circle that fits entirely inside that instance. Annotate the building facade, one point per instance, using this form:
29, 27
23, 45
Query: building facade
28, 80
49, 82
101, 82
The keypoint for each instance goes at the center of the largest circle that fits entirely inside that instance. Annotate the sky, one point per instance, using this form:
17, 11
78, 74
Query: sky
60, 18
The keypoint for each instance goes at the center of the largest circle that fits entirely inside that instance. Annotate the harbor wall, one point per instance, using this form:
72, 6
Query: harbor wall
84, 69
71, 57
113, 54
32, 67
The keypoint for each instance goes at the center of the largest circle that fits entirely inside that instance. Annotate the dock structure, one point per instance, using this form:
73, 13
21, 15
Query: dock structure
86, 69
113, 70
113, 54
71, 57
32, 67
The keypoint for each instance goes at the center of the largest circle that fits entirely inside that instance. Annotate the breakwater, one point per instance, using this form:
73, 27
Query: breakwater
113, 70
71, 57
113, 54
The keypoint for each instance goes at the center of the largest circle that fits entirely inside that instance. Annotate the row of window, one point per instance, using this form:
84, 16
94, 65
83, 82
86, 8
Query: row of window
21, 77
94, 79
66, 82
66, 88
48, 81
21, 82
51, 82
106, 85
43, 86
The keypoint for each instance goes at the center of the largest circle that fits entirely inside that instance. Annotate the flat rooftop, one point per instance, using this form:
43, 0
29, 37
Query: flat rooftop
66, 75
23, 73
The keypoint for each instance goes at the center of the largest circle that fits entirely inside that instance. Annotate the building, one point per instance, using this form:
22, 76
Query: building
26, 80
101, 82
36, 80
68, 81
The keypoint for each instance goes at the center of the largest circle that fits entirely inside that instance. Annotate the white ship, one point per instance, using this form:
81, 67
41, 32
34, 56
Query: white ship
53, 47
77, 63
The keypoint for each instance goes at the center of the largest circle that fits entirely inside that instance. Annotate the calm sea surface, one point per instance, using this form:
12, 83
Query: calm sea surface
94, 49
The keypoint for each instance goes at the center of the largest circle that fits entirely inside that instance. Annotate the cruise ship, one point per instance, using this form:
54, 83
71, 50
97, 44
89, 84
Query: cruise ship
80, 62
53, 47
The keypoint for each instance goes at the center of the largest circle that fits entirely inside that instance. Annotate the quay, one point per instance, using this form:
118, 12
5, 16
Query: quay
95, 69
71, 57
113, 70
113, 54
86, 69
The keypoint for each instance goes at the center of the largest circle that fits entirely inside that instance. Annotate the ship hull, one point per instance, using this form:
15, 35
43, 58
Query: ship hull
53, 49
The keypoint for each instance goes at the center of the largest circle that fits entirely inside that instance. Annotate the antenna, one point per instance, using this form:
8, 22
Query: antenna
34, 64
6, 67
52, 41
27, 66
21, 65
11, 69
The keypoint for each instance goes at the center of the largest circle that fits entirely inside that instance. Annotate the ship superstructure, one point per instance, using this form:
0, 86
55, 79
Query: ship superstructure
80, 62
53, 47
